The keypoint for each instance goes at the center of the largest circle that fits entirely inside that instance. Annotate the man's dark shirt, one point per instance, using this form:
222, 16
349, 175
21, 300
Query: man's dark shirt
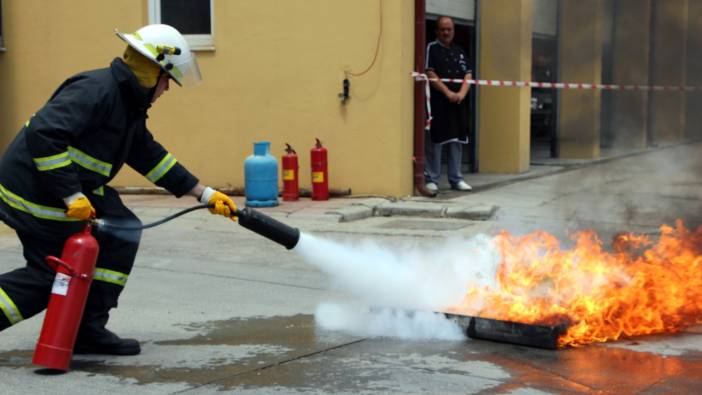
449, 120
447, 62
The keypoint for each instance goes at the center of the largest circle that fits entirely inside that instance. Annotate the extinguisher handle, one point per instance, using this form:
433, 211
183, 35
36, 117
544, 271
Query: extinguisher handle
56, 262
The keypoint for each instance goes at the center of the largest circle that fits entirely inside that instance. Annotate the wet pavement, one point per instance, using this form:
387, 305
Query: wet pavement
221, 310
288, 354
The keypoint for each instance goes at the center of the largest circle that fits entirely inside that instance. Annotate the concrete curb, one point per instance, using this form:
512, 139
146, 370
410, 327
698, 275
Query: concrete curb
383, 208
477, 213
410, 209
352, 213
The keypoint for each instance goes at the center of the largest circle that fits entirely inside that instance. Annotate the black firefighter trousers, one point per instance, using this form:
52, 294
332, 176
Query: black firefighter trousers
25, 292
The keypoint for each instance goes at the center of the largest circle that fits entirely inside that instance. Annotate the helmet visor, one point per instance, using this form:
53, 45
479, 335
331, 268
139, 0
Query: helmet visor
187, 72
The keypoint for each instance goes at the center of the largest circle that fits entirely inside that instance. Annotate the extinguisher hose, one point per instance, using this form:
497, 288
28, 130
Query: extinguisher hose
250, 219
106, 224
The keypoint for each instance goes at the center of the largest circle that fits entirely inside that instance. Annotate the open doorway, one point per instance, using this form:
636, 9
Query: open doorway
544, 68
465, 38
544, 141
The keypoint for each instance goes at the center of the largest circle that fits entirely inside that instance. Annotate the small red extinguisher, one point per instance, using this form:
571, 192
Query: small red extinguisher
74, 273
320, 178
291, 185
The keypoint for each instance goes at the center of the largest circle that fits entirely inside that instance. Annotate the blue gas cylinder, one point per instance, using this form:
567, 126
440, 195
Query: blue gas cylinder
261, 177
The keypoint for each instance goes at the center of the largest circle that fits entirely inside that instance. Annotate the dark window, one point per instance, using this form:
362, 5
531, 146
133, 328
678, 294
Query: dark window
188, 16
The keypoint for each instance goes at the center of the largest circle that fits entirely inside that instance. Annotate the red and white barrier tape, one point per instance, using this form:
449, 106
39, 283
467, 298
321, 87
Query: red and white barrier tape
552, 85
563, 85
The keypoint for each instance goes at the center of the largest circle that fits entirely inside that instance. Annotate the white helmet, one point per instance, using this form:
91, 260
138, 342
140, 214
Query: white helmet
166, 47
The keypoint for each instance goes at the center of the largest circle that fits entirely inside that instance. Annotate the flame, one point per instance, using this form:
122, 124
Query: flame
641, 287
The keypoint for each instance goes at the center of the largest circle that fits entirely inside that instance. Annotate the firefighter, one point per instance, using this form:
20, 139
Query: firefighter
53, 178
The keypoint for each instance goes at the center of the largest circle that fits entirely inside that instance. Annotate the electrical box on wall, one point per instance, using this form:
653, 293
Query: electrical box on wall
345, 86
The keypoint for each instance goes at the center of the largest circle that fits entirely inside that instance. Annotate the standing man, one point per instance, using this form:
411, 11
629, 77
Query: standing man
53, 178
449, 124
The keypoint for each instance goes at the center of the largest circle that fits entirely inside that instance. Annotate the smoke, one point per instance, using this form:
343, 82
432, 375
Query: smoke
370, 322
399, 288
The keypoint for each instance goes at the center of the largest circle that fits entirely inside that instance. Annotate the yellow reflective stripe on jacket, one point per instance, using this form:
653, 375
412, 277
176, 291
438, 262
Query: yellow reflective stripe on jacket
110, 276
52, 162
29, 120
8, 307
100, 191
89, 162
37, 210
161, 168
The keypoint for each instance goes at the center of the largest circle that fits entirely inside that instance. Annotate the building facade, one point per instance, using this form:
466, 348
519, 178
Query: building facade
273, 71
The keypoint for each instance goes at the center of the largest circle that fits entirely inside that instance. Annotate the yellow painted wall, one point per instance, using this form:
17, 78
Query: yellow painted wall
580, 58
274, 75
505, 54
47, 41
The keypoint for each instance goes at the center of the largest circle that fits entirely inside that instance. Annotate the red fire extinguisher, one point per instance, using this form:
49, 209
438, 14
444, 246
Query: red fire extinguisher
291, 185
320, 179
74, 273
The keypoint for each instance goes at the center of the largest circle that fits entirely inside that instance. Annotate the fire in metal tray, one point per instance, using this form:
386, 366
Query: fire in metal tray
572, 296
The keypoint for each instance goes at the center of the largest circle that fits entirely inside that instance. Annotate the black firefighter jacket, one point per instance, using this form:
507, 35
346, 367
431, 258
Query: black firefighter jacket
93, 124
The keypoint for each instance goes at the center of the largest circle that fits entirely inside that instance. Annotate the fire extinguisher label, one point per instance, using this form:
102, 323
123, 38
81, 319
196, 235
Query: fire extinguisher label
288, 175
317, 176
61, 282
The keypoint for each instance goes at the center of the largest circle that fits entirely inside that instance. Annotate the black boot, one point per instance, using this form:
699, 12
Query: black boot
94, 338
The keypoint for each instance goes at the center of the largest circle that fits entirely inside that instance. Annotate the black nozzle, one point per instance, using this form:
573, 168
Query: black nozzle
268, 227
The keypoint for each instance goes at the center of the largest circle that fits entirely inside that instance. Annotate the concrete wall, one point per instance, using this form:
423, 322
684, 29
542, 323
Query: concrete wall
464, 9
693, 102
668, 64
631, 58
274, 75
546, 17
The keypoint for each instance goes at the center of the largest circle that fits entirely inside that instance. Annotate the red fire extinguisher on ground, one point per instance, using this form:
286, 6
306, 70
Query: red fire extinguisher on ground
320, 179
291, 186
74, 273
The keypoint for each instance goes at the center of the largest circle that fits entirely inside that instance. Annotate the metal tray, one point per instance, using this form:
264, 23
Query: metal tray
539, 336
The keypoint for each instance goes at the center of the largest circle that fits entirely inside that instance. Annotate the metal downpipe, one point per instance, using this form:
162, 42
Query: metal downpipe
419, 98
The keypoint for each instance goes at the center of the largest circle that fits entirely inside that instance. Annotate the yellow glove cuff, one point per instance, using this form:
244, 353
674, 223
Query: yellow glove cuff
81, 208
223, 204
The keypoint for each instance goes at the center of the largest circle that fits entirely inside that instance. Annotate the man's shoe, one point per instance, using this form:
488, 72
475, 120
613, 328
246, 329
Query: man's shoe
432, 187
106, 343
461, 186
